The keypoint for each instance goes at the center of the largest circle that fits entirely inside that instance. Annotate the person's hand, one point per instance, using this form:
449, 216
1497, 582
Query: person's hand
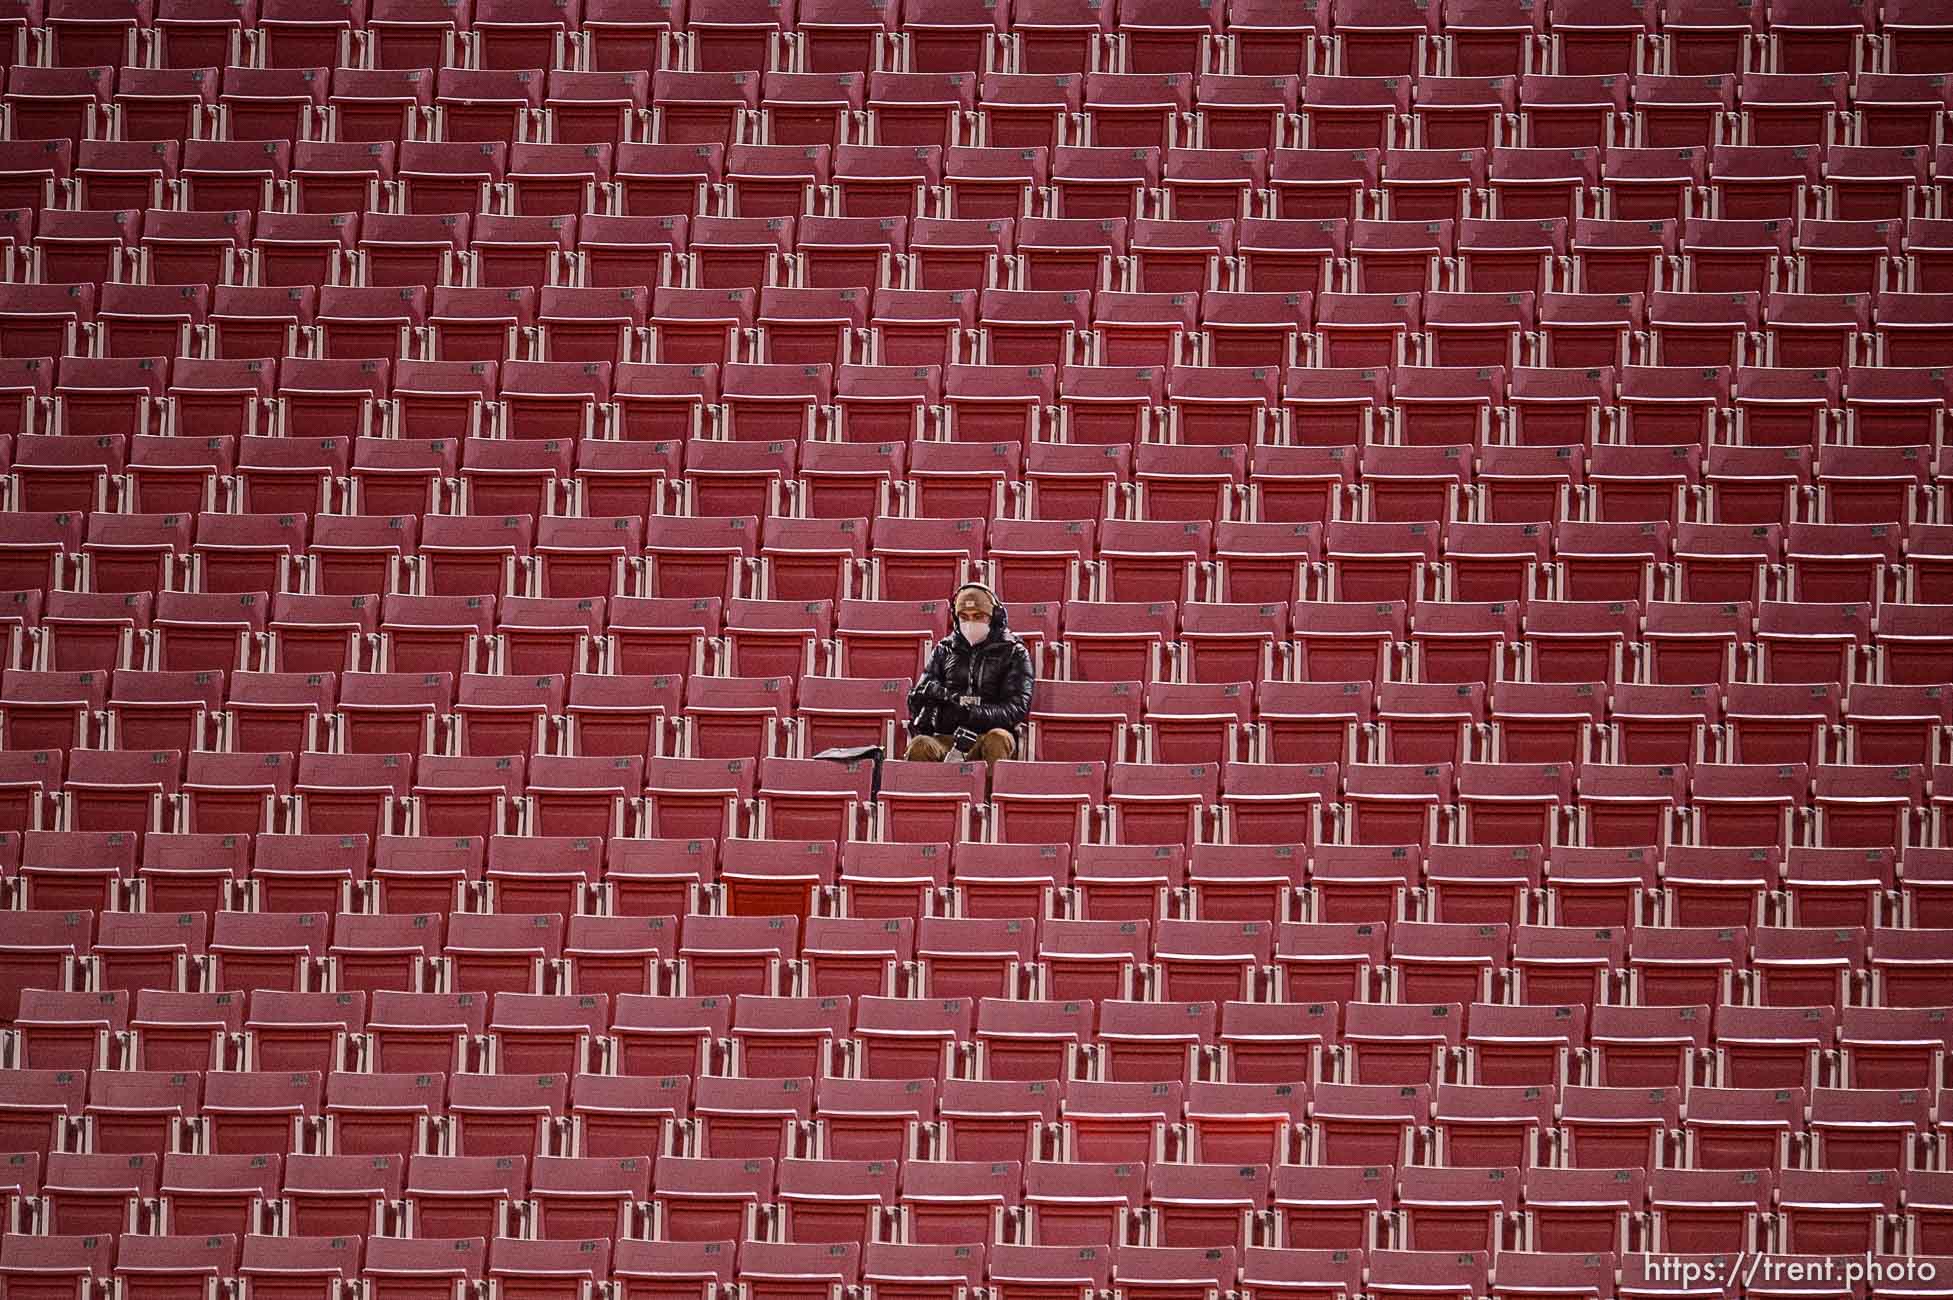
935, 691
970, 701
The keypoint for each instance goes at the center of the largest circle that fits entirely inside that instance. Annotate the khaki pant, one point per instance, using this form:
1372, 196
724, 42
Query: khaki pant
991, 746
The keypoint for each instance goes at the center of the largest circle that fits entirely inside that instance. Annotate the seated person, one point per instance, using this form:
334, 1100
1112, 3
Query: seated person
976, 691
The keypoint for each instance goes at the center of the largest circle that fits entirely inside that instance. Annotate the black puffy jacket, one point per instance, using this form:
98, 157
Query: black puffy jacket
998, 671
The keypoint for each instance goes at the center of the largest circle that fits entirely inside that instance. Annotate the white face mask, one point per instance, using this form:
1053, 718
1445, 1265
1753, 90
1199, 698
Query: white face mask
975, 630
